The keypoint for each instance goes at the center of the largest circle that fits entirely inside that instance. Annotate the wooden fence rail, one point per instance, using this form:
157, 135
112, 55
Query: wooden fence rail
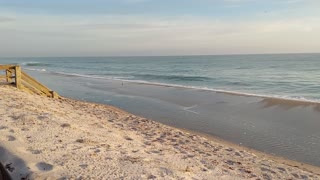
23, 81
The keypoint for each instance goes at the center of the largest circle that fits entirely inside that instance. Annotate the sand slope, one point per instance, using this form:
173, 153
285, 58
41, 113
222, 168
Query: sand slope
44, 138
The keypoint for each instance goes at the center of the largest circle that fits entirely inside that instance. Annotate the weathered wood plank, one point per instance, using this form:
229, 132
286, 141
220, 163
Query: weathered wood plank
4, 67
18, 76
30, 88
28, 79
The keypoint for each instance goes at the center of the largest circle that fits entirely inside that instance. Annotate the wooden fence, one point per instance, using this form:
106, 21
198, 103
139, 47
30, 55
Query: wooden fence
23, 81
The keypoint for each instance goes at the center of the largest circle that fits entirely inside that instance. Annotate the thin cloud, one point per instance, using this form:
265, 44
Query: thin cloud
126, 35
127, 26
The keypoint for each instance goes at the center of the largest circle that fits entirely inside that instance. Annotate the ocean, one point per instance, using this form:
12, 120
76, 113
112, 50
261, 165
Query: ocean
288, 76
243, 99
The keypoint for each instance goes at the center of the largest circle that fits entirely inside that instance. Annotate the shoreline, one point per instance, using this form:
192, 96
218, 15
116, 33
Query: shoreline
194, 154
275, 99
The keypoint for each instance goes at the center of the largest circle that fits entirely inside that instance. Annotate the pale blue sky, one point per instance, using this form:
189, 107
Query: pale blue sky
157, 27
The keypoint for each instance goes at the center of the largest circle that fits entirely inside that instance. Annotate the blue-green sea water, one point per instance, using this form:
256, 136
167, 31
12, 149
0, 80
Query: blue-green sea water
288, 76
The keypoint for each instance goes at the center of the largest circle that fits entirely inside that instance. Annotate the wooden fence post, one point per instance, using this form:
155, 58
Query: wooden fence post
18, 76
8, 75
54, 94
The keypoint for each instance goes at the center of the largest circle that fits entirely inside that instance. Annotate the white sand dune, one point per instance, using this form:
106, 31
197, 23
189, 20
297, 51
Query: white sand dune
44, 138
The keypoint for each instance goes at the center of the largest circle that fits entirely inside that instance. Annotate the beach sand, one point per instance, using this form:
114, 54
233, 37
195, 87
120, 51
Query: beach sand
43, 138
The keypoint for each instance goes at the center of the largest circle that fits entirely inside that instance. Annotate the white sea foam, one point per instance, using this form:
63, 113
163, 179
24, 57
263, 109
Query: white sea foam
31, 63
33, 69
93, 76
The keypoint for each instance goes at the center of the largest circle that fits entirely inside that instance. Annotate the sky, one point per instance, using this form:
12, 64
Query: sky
157, 27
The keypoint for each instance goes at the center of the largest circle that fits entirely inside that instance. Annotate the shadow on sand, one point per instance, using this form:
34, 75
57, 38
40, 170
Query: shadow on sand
12, 167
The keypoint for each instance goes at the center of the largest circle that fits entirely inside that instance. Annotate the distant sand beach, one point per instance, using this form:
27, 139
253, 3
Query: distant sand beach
43, 138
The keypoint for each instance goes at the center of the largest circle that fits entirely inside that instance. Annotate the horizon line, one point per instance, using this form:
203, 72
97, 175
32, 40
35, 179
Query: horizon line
182, 55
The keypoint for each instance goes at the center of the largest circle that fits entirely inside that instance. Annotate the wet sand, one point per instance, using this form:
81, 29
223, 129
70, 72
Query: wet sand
65, 138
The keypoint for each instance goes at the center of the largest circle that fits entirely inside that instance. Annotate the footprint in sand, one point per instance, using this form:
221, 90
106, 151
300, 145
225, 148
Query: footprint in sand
128, 138
3, 127
83, 166
34, 151
11, 138
65, 125
42, 166
42, 117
